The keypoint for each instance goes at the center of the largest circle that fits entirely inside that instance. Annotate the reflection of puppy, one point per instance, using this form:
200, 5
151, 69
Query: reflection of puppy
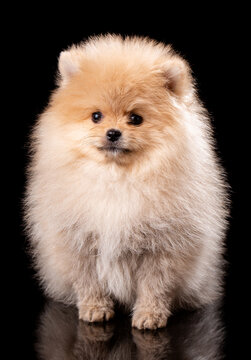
126, 199
190, 336
61, 336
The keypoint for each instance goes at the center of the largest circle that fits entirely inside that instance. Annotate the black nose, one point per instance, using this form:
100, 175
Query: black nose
113, 134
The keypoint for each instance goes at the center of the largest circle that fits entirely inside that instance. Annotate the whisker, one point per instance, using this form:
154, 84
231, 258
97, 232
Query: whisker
92, 137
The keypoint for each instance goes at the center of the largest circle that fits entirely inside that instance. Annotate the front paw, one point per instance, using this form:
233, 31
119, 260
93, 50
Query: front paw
148, 320
95, 313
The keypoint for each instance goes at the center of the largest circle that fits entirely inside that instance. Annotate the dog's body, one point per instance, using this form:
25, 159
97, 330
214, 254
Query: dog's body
138, 219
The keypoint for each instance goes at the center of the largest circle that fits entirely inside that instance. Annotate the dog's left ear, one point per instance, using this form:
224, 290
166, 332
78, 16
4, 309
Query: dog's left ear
178, 76
68, 64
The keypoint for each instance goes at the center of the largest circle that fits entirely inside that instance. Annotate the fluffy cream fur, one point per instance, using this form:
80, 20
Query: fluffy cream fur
144, 226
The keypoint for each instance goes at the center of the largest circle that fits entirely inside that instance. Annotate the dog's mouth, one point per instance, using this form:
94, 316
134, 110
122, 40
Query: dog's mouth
113, 149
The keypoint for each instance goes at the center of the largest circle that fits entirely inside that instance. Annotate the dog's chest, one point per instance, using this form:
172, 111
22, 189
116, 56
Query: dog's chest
118, 211
112, 208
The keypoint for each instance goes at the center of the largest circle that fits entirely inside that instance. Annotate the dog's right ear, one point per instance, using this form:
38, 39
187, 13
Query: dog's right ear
68, 65
178, 75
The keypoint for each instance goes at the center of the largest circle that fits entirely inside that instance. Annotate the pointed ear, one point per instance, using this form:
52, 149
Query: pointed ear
178, 76
68, 65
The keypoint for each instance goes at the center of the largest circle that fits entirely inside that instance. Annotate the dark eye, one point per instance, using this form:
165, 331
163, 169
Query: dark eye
97, 116
135, 119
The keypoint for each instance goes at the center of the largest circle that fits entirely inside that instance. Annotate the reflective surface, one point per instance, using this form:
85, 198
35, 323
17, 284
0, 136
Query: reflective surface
189, 336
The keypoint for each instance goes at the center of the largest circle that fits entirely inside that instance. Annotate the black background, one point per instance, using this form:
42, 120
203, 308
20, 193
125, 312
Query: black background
210, 39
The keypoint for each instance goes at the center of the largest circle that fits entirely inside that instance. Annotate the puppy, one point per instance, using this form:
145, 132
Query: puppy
126, 201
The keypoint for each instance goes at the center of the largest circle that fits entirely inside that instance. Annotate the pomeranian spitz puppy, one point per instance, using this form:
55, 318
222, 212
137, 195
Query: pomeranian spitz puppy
126, 201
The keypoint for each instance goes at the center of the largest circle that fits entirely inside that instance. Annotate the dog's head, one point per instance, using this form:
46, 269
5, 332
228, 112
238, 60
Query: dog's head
117, 98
